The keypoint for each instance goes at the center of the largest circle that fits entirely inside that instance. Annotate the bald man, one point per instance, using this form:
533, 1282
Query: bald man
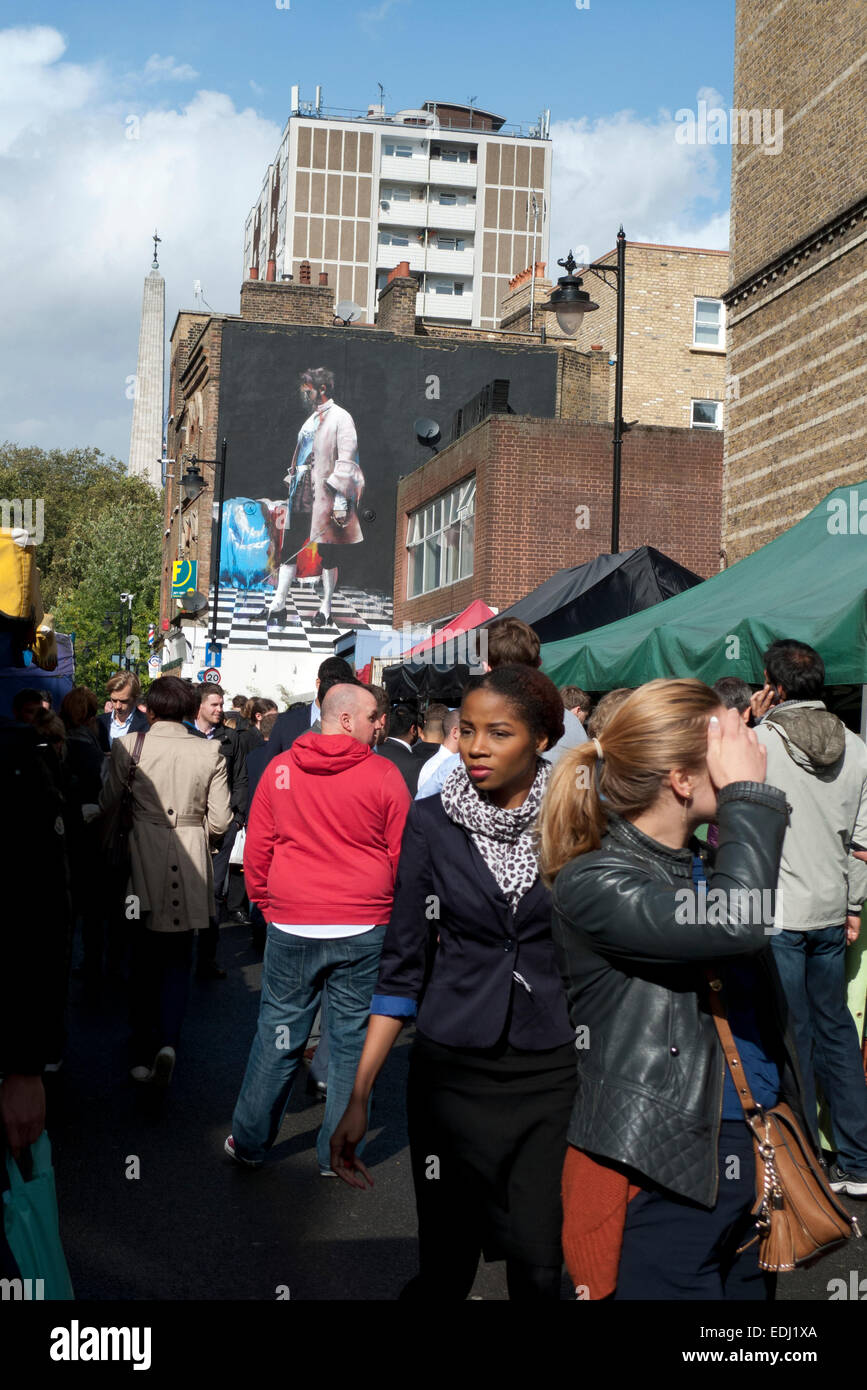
323, 842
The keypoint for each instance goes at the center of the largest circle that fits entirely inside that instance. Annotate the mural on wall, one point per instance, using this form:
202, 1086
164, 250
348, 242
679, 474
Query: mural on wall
320, 426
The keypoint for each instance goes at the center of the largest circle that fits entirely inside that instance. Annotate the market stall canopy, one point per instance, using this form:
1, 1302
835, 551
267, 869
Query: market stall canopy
809, 584
610, 587
473, 616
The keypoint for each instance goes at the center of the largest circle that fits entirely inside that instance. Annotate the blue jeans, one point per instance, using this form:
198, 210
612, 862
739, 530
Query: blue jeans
676, 1250
812, 968
295, 970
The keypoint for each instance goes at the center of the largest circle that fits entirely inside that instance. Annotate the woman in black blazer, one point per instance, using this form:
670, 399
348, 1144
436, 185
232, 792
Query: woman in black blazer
469, 951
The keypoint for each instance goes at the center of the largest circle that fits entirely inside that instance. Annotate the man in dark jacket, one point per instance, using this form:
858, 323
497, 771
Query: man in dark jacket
209, 724
124, 692
398, 746
300, 718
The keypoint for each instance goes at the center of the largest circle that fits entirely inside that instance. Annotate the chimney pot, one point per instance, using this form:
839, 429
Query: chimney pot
323, 277
271, 270
304, 272
253, 273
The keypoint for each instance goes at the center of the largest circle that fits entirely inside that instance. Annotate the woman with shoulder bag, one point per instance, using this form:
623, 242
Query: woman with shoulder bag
660, 1179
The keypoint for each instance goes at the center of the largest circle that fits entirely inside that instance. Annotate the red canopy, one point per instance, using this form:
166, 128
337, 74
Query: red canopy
478, 612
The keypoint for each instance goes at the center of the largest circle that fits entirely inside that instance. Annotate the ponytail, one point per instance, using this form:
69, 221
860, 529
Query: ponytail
660, 726
573, 820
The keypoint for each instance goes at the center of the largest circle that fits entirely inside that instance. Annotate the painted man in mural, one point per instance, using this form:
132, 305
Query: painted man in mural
325, 485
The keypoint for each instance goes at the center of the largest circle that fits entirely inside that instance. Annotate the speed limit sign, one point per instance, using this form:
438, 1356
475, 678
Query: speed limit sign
211, 676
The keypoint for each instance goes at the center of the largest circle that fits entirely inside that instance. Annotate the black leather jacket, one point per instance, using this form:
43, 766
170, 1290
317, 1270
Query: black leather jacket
651, 1072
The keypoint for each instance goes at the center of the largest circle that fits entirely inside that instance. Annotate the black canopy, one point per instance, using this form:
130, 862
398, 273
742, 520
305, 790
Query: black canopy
610, 587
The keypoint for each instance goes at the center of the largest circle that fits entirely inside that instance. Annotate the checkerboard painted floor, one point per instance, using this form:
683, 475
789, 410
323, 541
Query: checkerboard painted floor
351, 608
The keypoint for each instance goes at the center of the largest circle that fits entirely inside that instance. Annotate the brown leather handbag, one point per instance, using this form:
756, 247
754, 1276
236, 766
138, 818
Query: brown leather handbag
798, 1217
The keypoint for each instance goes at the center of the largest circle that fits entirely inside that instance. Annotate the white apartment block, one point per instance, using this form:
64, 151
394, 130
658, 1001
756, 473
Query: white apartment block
447, 187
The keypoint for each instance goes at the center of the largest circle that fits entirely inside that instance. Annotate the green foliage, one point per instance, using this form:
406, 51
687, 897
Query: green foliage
102, 535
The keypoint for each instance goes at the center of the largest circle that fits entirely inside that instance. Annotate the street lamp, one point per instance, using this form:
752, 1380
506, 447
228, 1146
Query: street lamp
192, 482
570, 303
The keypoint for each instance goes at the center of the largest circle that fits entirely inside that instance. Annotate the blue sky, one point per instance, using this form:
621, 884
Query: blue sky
208, 83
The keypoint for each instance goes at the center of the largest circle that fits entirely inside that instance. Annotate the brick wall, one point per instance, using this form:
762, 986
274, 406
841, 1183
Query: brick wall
662, 371
285, 301
806, 60
795, 428
797, 305
532, 474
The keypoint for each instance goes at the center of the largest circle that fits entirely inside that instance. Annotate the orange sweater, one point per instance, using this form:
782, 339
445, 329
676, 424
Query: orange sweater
595, 1198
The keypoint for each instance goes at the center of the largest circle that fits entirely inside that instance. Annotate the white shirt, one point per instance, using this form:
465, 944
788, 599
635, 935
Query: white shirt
323, 933
116, 729
432, 764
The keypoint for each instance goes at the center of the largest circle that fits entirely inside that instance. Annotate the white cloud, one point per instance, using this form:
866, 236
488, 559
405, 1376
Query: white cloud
79, 200
35, 89
158, 69
622, 169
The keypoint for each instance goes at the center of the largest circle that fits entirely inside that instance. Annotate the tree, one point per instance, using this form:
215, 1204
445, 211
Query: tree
101, 536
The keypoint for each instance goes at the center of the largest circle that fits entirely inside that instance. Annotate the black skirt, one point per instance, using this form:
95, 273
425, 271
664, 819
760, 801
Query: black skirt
487, 1135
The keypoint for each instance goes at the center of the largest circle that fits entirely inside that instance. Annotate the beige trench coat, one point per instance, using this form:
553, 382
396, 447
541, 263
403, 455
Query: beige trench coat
180, 796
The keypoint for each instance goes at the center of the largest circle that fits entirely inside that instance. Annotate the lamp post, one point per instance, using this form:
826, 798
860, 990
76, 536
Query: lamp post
193, 484
570, 303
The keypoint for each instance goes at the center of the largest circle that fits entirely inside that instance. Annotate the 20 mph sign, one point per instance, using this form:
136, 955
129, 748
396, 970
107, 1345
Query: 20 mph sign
211, 676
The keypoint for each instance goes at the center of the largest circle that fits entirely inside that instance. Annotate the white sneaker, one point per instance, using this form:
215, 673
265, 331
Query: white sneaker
164, 1065
140, 1074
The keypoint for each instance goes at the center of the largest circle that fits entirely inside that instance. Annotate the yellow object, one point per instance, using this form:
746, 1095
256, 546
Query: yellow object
44, 646
20, 594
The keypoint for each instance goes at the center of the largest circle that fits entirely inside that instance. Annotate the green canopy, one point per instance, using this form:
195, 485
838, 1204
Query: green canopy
808, 584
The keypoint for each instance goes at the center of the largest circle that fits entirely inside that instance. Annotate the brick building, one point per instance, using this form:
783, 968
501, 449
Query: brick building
674, 360
526, 472
540, 492
797, 301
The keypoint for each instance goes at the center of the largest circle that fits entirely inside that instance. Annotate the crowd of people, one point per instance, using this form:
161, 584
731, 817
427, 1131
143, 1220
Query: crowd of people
522, 880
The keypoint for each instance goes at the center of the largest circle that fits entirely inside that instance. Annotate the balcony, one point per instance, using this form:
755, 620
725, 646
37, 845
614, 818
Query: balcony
414, 170
452, 175
387, 257
444, 306
456, 218
450, 262
402, 214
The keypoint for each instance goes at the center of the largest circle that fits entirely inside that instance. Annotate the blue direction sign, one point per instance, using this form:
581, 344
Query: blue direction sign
213, 654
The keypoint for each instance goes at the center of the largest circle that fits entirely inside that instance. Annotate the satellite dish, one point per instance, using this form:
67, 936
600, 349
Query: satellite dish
427, 432
348, 312
385, 205
192, 602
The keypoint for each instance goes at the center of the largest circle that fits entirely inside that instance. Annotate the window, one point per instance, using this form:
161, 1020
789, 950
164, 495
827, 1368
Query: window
447, 200
401, 151
709, 324
440, 540
707, 415
400, 194
451, 243
448, 287
393, 238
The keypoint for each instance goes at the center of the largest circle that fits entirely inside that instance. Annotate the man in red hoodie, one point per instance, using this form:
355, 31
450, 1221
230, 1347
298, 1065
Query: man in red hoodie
323, 842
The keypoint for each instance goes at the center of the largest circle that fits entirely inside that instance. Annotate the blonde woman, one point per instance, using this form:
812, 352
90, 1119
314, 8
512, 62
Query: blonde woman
659, 1178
